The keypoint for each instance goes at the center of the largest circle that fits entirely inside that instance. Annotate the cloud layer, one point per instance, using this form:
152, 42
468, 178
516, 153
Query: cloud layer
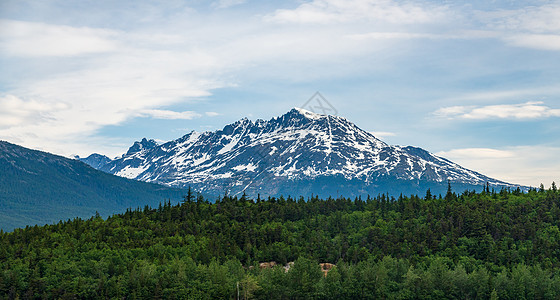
39, 39
522, 111
17, 112
339, 11
512, 164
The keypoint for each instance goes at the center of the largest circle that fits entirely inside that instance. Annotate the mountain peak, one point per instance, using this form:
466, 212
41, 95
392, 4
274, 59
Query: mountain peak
95, 160
141, 145
299, 152
308, 114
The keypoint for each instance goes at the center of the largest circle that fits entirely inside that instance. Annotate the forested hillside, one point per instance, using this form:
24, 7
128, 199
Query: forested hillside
41, 188
484, 245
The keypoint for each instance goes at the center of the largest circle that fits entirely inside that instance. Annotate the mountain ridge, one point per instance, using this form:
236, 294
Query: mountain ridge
39, 188
301, 153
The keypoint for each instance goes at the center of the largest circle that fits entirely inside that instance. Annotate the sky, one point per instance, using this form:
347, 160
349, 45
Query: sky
476, 82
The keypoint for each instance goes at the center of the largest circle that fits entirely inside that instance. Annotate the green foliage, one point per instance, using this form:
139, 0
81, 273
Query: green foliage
41, 188
488, 245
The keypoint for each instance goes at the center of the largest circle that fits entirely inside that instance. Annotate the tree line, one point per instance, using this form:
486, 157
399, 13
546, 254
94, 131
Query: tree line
472, 245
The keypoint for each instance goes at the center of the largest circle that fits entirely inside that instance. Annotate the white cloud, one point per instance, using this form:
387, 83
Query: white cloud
37, 39
342, 11
532, 18
528, 110
527, 165
16, 112
494, 95
536, 41
477, 153
169, 114
212, 113
382, 134
536, 27
106, 87
452, 111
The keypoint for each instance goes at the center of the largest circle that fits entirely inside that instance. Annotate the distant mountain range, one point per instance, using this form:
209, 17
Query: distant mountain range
298, 153
39, 188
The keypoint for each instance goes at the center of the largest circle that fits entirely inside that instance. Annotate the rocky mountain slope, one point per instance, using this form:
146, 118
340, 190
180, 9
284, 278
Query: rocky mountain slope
298, 153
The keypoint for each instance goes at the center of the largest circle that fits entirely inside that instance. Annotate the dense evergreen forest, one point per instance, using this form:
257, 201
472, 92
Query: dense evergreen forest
472, 245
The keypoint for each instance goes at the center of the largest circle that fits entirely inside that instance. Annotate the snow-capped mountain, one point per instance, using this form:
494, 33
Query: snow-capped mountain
299, 153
